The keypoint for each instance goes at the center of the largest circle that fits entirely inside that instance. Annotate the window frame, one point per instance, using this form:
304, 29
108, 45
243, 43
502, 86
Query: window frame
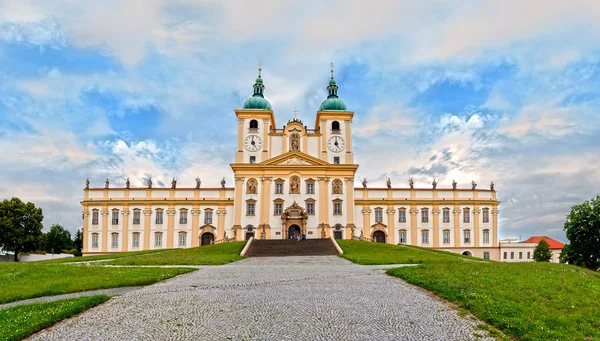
182, 235
467, 237
135, 240
137, 216
424, 215
115, 213
208, 216
95, 219
114, 237
402, 215
379, 215
402, 237
337, 207
486, 236
485, 215
250, 208
159, 219
466, 215
158, 240
94, 240
446, 233
183, 216
446, 215
424, 237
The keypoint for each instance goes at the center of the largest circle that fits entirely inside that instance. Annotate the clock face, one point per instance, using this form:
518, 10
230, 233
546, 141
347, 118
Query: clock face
336, 144
253, 143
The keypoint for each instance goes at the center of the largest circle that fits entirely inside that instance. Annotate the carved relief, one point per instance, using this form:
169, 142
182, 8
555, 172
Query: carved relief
336, 186
251, 186
295, 142
196, 212
295, 185
171, 212
294, 161
221, 212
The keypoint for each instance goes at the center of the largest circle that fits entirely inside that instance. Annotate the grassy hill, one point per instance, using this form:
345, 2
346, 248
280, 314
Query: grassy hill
527, 301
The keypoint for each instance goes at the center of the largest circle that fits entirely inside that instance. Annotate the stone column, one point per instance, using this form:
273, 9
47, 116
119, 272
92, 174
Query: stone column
238, 204
266, 142
104, 214
323, 150
239, 156
265, 194
350, 224
349, 154
495, 213
170, 226
435, 212
476, 212
221, 212
86, 228
366, 211
413, 223
125, 240
195, 225
391, 239
324, 200
147, 221
456, 213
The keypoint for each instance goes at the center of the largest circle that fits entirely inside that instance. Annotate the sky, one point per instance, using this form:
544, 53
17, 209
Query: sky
506, 90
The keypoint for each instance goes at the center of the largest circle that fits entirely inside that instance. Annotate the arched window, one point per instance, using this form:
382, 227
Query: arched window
254, 124
335, 125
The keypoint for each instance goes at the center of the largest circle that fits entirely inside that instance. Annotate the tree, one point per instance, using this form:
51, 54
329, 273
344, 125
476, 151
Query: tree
20, 226
542, 252
583, 231
78, 240
58, 239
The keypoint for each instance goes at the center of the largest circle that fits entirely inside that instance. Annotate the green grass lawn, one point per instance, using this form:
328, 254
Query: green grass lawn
103, 257
20, 281
527, 301
216, 254
19, 322
366, 253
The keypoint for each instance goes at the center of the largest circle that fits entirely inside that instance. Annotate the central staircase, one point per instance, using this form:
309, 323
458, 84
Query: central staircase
280, 248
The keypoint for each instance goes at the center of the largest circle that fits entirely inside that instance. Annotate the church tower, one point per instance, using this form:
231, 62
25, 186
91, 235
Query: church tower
335, 122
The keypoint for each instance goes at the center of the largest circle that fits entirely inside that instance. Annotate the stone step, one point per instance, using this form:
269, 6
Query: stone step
280, 248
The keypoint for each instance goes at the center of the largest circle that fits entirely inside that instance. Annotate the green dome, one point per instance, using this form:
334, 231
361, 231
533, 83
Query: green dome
257, 102
333, 103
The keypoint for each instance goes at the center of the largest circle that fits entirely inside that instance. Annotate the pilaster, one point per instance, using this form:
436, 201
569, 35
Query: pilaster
413, 222
266, 142
324, 200
350, 224
238, 204
456, 213
170, 226
86, 228
239, 156
349, 154
323, 151
147, 221
221, 212
366, 212
435, 215
495, 213
104, 214
476, 212
265, 200
195, 225
391, 238
125, 240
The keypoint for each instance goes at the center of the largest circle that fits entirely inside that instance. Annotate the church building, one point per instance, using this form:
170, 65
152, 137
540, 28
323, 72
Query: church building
289, 181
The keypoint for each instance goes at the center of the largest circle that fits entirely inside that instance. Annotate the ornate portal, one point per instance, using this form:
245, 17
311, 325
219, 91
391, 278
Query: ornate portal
293, 215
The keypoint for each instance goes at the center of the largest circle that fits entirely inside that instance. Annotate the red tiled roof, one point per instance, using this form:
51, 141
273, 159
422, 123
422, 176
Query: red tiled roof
553, 244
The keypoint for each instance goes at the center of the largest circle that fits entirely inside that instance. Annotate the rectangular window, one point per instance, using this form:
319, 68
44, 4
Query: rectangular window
466, 216
182, 239
378, 216
208, 217
115, 217
278, 188
528, 255
310, 208
512, 255
310, 188
402, 216
402, 237
424, 216
95, 218
278, 209
136, 217
425, 237
520, 255
95, 241
446, 237
250, 209
115, 240
158, 240
136, 240
159, 217
336, 160
486, 236
446, 216
505, 255
486, 216
252, 159
486, 255
183, 217
337, 208
467, 236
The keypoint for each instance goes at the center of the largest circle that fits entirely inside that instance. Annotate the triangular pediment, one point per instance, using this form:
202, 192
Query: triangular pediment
294, 158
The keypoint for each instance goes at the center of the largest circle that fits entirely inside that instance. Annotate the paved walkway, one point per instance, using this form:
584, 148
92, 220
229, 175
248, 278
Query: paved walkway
109, 292
286, 298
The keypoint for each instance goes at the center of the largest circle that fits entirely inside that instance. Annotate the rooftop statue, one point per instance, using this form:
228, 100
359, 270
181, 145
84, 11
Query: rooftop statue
434, 184
87, 183
127, 183
174, 184
454, 184
364, 182
411, 183
473, 184
198, 182
223, 183
389, 183
150, 182
492, 186
106, 183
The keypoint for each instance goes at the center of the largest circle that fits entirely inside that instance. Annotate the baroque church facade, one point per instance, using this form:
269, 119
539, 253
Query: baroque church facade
290, 181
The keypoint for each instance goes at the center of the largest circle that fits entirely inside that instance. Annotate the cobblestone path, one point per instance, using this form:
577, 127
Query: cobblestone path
284, 298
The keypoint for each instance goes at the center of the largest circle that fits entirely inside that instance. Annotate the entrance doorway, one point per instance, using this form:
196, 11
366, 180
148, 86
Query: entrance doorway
379, 236
467, 253
293, 231
249, 235
207, 239
337, 234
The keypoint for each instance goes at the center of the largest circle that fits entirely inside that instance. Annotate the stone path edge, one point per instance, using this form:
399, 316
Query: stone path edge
44, 299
